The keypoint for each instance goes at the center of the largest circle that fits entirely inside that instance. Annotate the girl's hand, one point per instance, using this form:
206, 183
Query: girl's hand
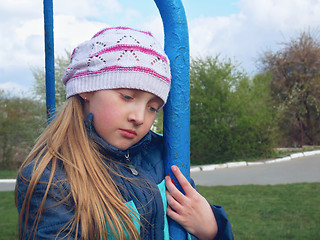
192, 211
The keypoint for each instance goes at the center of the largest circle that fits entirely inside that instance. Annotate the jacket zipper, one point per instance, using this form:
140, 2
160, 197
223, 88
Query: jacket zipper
131, 167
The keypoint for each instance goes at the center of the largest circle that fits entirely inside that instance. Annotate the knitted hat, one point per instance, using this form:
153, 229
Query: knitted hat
119, 57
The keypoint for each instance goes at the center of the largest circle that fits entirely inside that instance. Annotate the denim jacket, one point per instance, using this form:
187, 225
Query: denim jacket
142, 162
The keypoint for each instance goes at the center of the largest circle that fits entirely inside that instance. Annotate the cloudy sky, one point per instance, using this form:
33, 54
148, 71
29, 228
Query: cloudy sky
237, 29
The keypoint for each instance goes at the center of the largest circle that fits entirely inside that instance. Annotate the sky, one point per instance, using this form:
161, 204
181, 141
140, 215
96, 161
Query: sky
237, 29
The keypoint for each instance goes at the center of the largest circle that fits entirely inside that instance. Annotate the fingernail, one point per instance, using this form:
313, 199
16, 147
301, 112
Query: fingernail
174, 168
168, 178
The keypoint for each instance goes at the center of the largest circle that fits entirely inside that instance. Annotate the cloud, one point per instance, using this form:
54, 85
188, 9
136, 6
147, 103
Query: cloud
18, 30
70, 31
19, 9
22, 24
259, 26
155, 26
85, 8
281, 15
211, 34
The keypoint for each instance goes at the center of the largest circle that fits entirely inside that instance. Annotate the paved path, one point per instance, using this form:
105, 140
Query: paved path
302, 169
290, 170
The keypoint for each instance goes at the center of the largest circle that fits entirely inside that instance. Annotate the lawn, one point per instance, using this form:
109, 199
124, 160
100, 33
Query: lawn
9, 217
289, 211
7, 174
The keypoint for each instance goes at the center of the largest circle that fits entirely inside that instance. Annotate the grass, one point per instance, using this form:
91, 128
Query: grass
283, 212
270, 212
9, 217
8, 174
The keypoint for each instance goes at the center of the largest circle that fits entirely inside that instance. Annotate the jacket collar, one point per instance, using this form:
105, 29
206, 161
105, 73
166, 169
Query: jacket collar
112, 150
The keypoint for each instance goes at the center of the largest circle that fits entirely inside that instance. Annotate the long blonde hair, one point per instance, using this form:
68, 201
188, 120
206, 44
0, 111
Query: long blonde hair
97, 199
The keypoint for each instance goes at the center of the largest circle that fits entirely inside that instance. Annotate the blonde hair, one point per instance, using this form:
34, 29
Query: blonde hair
97, 199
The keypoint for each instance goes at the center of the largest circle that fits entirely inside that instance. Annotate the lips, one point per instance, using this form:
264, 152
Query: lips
128, 133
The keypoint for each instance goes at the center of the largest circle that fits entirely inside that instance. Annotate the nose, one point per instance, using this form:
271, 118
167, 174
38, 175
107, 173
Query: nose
137, 115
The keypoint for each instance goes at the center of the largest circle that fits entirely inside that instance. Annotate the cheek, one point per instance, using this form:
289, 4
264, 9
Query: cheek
105, 116
148, 123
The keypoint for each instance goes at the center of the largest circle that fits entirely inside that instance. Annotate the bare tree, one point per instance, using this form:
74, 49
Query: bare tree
295, 87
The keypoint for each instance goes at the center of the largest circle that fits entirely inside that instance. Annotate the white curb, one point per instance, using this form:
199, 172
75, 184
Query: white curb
7, 180
195, 169
255, 163
296, 155
284, 159
243, 163
271, 161
208, 168
316, 151
236, 164
222, 165
311, 153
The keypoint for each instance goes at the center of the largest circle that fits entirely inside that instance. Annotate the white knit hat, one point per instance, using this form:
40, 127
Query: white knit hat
119, 57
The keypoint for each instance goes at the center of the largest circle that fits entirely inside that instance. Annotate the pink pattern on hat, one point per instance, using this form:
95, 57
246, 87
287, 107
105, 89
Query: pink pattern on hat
122, 28
122, 47
119, 57
119, 68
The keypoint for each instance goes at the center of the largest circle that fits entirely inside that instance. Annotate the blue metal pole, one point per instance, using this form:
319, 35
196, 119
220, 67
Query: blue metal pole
49, 58
176, 127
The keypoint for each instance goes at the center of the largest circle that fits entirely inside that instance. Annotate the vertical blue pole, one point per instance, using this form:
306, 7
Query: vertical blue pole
49, 58
177, 110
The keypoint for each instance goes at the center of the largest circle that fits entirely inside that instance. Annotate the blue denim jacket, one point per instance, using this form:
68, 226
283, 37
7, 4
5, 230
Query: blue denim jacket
147, 198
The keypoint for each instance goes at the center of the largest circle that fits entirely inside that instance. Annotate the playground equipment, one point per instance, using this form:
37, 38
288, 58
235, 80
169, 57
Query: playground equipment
176, 111
49, 58
176, 126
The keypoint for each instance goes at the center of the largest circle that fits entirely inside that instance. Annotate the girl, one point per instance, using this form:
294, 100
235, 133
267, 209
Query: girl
97, 172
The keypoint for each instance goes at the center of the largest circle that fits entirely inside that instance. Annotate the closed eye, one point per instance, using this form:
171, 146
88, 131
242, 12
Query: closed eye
152, 109
126, 97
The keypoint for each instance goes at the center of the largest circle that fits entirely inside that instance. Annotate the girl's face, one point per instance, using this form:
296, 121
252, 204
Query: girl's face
122, 117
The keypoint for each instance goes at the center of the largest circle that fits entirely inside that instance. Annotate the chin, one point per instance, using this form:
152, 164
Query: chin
124, 147
124, 144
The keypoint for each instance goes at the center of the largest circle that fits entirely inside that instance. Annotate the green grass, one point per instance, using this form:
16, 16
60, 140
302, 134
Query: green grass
270, 212
7, 174
282, 212
9, 217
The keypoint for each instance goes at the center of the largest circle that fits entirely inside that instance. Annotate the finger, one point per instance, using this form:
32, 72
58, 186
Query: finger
173, 214
173, 203
175, 193
184, 183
